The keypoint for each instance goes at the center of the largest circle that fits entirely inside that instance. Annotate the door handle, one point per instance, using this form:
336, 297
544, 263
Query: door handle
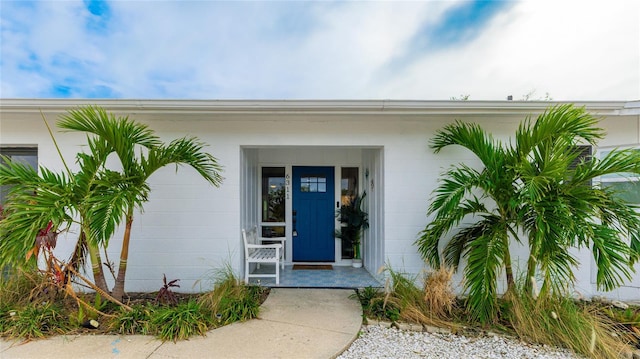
294, 233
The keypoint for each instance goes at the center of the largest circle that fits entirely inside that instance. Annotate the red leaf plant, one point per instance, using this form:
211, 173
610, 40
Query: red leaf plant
165, 295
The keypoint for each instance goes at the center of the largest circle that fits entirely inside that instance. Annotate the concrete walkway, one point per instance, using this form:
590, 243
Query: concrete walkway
293, 323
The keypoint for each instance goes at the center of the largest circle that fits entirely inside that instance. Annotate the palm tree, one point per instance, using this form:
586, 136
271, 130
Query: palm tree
124, 191
538, 186
37, 199
103, 198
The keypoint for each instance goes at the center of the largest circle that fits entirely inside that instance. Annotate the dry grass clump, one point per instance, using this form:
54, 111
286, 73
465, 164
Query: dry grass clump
19, 287
562, 322
421, 305
438, 292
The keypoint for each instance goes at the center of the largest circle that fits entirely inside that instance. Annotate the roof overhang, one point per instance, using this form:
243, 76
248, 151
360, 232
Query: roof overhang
326, 107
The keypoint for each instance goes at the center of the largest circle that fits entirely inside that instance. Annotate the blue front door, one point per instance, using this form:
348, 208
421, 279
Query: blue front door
313, 214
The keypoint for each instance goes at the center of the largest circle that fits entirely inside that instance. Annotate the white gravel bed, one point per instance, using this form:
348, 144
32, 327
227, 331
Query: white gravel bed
379, 342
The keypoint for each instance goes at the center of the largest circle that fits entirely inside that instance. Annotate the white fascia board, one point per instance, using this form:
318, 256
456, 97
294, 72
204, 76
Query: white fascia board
631, 108
328, 107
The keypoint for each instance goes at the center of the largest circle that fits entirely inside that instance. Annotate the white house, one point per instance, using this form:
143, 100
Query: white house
312, 149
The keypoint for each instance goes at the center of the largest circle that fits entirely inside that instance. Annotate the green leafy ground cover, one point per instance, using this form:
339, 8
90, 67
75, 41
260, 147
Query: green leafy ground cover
32, 308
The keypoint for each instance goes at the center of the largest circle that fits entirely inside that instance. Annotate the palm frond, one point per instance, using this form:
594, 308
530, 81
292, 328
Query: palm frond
459, 243
29, 208
484, 261
106, 208
117, 134
612, 257
184, 151
620, 162
567, 121
97, 121
429, 239
470, 136
456, 183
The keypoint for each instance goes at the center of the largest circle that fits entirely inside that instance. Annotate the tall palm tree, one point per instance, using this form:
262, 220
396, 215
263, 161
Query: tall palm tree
103, 198
126, 190
37, 199
538, 186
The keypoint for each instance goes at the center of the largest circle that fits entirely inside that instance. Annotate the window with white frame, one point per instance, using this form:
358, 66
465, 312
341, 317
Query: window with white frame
626, 185
273, 202
25, 155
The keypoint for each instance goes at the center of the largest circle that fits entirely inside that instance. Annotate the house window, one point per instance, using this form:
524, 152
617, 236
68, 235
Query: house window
273, 202
348, 184
625, 185
26, 155
348, 189
585, 155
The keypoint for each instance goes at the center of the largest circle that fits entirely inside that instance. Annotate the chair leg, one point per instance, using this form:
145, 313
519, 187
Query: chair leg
246, 272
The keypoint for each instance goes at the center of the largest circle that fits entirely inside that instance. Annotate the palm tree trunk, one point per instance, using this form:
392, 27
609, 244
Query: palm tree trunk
511, 284
96, 266
118, 289
531, 271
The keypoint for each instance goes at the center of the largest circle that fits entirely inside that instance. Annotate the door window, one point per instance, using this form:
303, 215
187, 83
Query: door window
315, 183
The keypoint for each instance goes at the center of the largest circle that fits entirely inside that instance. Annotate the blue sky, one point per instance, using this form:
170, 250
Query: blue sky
425, 50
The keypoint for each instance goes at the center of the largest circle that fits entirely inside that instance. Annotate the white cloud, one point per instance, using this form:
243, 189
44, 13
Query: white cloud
574, 51
589, 51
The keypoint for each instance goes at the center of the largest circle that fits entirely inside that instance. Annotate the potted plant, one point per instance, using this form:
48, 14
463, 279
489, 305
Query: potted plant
353, 220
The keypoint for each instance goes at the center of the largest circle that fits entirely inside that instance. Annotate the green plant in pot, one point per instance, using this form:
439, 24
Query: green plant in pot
354, 220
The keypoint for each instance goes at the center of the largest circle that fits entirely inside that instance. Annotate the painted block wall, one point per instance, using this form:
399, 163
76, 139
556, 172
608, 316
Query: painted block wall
189, 228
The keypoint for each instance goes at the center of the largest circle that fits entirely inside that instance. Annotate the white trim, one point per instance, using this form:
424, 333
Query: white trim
337, 189
370, 107
627, 177
287, 210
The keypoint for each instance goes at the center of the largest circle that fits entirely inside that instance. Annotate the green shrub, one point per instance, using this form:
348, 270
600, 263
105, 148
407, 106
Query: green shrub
36, 321
374, 304
5, 316
180, 322
231, 300
135, 321
27, 310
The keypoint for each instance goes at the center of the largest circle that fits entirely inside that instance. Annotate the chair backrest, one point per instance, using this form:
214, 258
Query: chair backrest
249, 237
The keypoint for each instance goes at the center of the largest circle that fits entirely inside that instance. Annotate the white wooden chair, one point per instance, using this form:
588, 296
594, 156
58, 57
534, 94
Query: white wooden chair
255, 252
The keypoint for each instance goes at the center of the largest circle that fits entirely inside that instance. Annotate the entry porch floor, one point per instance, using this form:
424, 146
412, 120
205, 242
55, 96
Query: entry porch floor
338, 277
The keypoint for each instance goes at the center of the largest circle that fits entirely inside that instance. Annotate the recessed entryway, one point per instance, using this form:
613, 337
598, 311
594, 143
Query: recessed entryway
293, 192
